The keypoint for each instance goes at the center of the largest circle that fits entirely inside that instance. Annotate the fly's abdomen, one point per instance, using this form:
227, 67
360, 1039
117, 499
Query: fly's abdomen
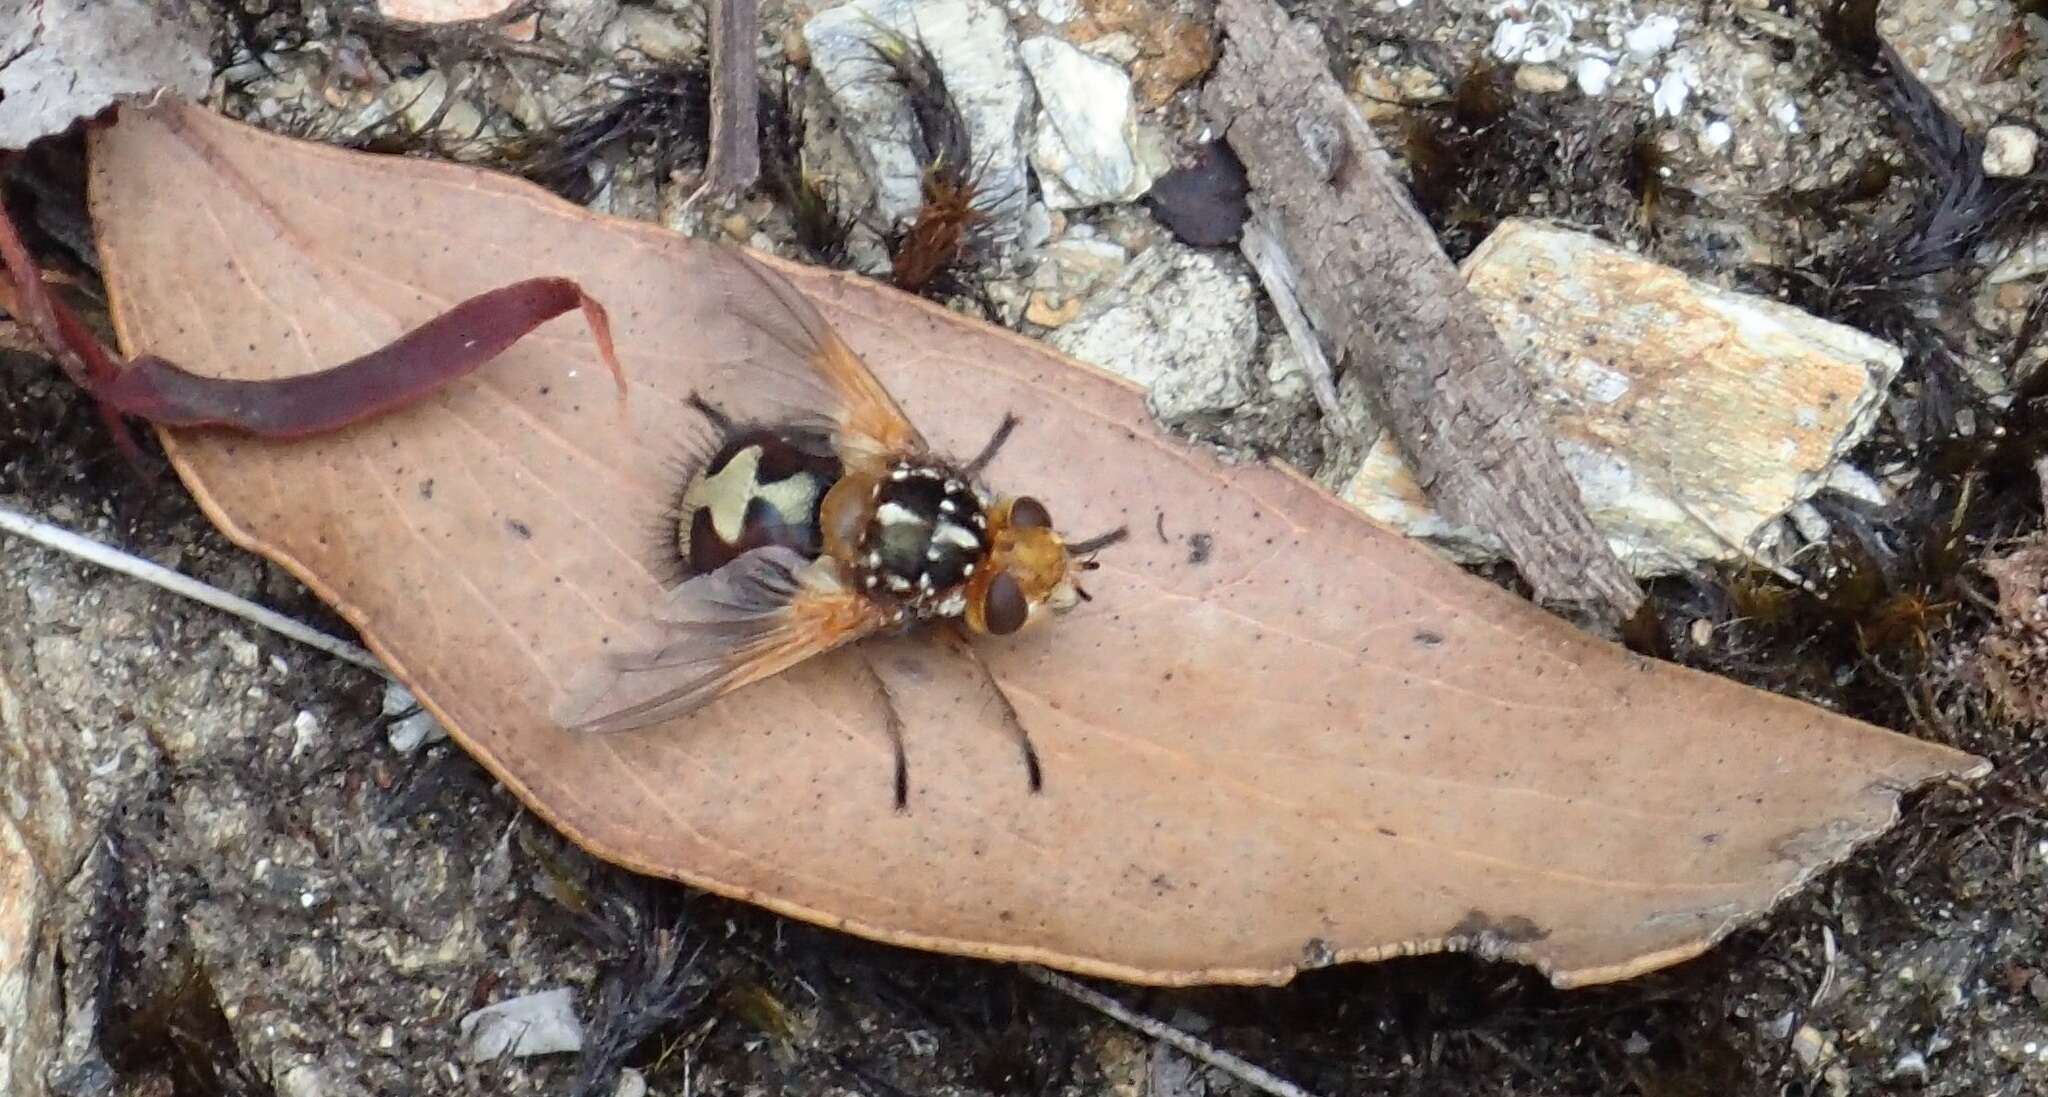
757, 490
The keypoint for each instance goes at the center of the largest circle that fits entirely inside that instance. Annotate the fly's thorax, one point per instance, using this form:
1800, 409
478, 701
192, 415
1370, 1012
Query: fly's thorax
922, 536
758, 489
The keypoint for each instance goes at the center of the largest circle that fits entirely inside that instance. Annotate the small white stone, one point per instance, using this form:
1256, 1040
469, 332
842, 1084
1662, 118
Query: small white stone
414, 732
1668, 101
241, 651
1716, 136
304, 1080
1652, 37
532, 1024
2009, 151
305, 732
1787, 114
1593, 75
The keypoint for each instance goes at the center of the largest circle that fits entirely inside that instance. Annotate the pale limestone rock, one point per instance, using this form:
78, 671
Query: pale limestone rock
1180, 322
1542, 79
1674, 402
63, 60
2009, 151
543, 1023
1085, 148
976, 51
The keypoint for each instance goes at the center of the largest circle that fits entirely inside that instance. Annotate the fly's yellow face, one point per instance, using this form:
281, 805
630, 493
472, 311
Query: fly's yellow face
1027, 566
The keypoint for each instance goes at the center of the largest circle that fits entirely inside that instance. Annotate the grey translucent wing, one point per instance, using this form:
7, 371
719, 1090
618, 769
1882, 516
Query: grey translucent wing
782, 364
757, 616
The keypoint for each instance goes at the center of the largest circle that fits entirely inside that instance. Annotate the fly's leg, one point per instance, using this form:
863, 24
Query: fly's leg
995, 443
958, 641
893, 720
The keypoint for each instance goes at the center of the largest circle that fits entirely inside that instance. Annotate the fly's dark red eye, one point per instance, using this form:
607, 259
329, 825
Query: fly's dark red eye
1003, 608
1029, 513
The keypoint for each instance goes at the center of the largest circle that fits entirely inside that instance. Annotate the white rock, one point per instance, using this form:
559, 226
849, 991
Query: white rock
533, 1024
1119, 48
1715, 135
415, 731
1180, 323
414, 727
2009, 151
1593, 75
62, 60
303, 1080
1077, 267
1652, 36
1674, 402
2027, 258
1087, 126
1532, 32
1034, 228
1787, 114
975, 50
1668, 101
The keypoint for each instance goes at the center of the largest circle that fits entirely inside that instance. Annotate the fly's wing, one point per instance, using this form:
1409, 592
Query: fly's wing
791, 369
757, 616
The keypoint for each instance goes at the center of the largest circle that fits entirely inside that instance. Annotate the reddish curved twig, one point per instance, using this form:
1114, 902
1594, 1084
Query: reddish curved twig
393, 376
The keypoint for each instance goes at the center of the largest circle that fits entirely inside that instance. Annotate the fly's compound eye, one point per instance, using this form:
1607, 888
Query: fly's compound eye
1003, 608
1029, 513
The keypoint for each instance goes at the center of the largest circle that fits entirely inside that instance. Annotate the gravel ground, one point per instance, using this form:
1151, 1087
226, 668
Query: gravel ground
281, 901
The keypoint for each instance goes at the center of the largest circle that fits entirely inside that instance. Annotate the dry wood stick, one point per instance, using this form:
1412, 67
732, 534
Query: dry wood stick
107, 556
735, 161
1373, 280
1244, 1071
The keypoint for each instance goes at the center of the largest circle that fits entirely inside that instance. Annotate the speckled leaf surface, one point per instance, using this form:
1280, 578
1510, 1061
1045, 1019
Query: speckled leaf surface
1279, 737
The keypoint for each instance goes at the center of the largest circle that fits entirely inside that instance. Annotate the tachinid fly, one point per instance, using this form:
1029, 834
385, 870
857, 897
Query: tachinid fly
827, 520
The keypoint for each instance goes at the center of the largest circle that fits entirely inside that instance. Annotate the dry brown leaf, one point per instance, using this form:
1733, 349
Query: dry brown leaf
1279, 737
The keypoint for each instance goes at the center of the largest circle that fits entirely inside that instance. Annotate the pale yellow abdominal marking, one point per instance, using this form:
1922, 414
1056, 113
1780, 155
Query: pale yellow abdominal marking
728, 492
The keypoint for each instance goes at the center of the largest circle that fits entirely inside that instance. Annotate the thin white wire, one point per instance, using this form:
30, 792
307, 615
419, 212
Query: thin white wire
113, 559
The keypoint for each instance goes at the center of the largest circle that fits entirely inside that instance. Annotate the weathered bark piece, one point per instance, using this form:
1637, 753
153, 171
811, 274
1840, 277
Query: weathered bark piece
1374, 281
735, 160
1692, 417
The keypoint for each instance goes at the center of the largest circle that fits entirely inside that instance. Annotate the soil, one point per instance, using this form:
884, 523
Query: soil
281, 901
